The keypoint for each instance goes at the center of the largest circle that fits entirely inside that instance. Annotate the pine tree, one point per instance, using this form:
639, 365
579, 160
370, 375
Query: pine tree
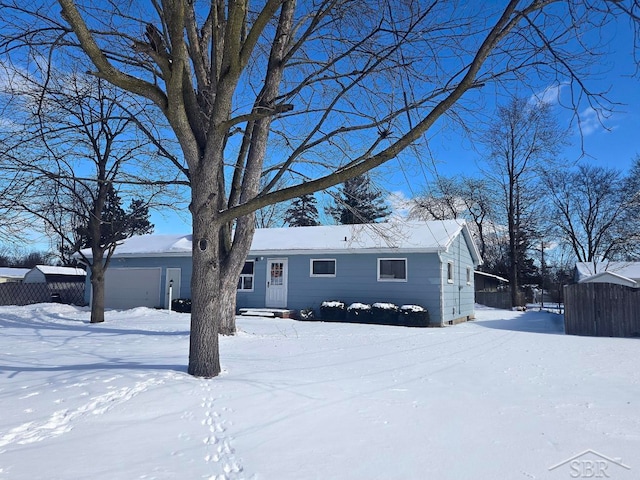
302, 212
358, 203
137, 219
116, 223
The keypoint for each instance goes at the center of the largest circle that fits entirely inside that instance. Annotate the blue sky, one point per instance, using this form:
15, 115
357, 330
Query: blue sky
604, 138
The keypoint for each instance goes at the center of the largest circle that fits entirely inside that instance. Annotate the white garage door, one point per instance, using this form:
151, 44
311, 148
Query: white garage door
132, 287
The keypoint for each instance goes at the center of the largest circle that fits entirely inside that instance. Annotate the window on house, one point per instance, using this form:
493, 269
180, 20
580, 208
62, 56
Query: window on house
450, 272
323, 267
245, 283
392, 269
469, 273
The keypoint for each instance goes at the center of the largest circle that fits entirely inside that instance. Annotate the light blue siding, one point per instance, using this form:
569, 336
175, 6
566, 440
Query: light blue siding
256, 298
457, 296
183, 263
355, 280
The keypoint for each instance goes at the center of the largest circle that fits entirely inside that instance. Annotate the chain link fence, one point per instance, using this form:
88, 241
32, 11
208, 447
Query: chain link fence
71, 293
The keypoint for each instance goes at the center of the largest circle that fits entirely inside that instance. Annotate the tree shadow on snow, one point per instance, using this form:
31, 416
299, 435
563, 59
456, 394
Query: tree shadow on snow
42, 323
530, 321
11, 371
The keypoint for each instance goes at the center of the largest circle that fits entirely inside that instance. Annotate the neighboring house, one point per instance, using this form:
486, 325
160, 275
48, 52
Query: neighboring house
492, 290
50, 274
420, 263
620, 273
487, 282
12, 275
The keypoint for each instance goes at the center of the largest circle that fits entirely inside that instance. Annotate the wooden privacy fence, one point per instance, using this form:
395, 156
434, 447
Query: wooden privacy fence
494, 299
602, 310
501, 299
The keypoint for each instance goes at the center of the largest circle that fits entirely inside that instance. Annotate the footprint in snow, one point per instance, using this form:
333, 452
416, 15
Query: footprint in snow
218, 449
63, 421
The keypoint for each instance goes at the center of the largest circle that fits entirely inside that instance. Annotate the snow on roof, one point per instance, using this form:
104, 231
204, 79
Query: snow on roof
610, 277
51, 270
9, 272
625, 269
490, 275
144, 245
397, 236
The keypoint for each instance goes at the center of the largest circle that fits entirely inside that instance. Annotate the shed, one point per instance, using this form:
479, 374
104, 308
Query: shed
420, 263
49, 274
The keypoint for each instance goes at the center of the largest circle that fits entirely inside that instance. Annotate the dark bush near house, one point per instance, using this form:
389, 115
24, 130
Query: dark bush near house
332, 311
359, 313
413, 316
181, 305
307, 314
384, 314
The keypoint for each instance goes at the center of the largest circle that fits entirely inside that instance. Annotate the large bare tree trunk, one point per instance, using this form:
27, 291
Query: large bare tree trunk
213, 296
216, 268
206, 306
206, 311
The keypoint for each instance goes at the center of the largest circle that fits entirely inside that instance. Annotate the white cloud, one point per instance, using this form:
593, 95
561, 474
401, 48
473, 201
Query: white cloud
590, 121
14, 80
550, 95
399, 203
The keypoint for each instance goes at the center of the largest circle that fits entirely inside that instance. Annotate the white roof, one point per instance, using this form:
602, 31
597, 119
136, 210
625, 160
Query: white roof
51, 270
491, 275
629, 270
9, 272
397, 236
610, 277
142, 245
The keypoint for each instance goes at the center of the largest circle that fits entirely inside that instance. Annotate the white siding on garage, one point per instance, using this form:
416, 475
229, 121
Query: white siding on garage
132, 287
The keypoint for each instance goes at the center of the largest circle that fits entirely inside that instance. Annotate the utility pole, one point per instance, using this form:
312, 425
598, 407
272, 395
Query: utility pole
542, 275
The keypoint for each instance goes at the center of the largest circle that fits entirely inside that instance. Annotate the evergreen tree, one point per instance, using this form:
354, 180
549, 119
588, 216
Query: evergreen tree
116, 223
358, 203
137, 219
32, 259
302, 212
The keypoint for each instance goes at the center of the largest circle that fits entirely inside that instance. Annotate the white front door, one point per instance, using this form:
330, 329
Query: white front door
171, 286
277, 277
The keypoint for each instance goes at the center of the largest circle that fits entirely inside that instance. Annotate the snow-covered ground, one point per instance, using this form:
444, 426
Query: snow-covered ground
505, 397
